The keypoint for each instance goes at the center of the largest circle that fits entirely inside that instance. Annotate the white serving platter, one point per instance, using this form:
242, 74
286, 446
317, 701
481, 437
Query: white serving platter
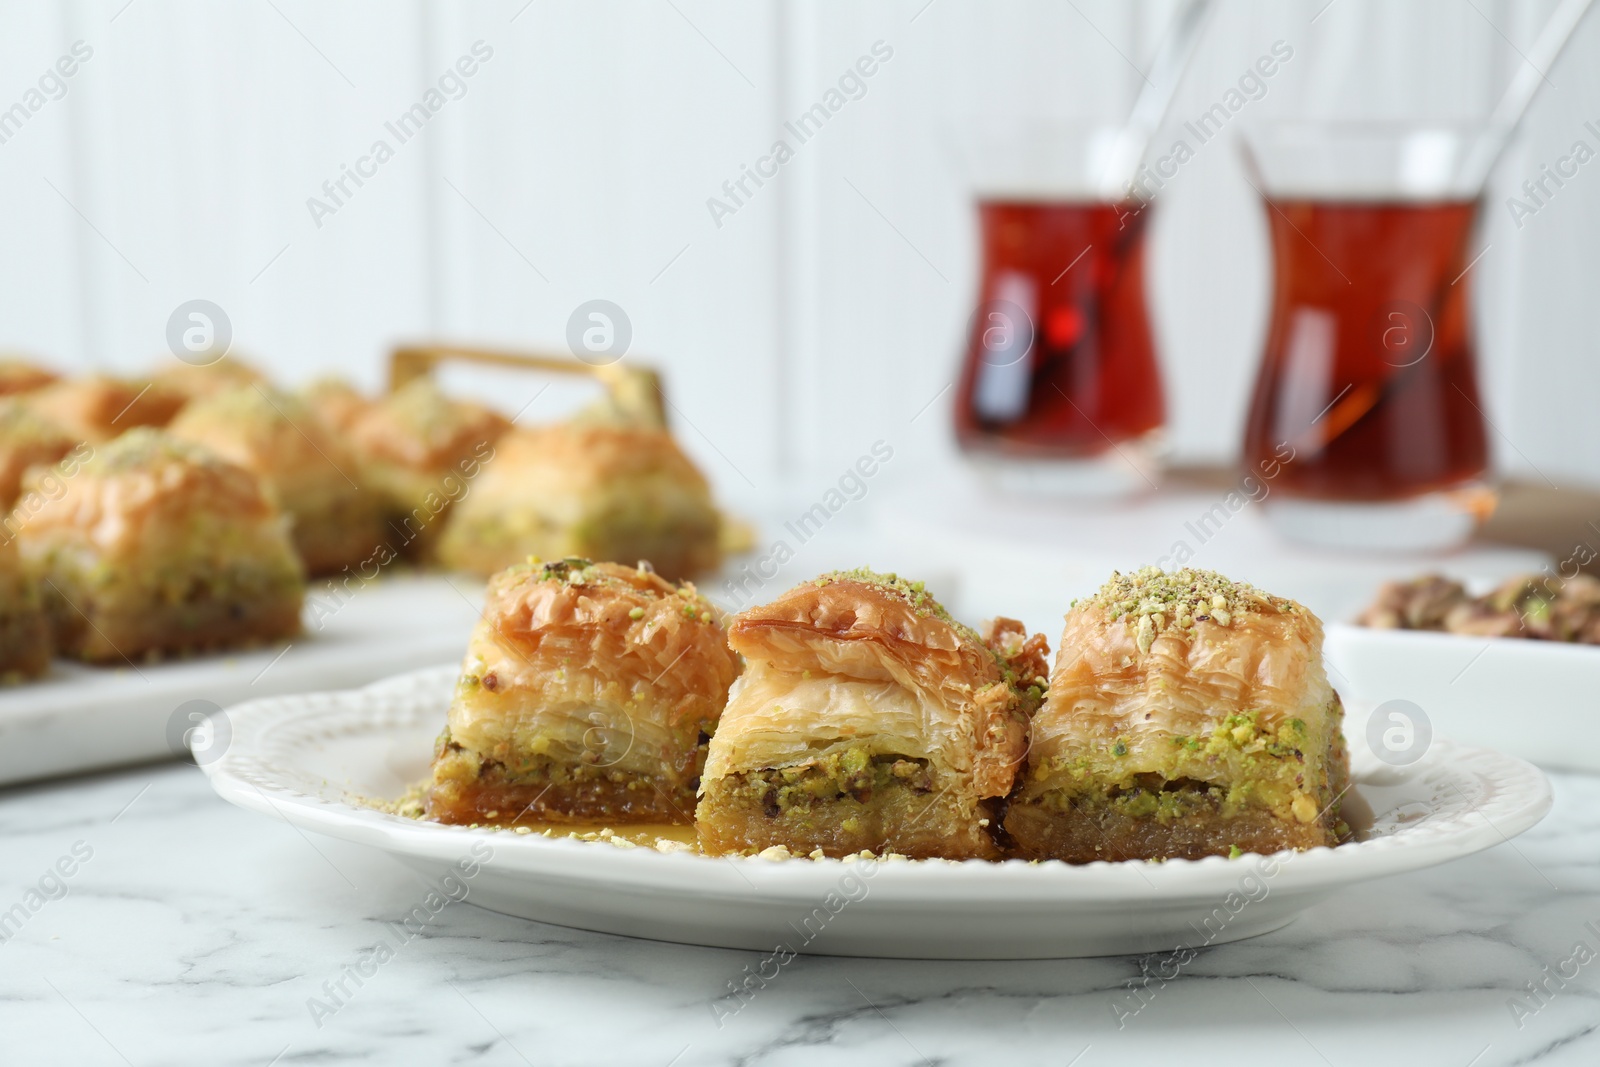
82, 718
1539, 700
309, 758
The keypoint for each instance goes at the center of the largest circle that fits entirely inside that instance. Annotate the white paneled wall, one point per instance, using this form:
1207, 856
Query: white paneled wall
576, 162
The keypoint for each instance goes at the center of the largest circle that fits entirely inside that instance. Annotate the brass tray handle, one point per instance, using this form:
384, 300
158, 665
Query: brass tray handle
635, 393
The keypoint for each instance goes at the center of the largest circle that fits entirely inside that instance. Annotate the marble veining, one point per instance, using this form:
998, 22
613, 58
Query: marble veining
196, 932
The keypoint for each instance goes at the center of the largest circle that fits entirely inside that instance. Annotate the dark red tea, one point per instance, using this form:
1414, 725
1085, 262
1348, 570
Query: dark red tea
1059, 360
1369, 372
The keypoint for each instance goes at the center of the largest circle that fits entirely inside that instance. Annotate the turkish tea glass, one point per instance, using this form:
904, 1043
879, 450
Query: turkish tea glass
1060, 388
1366, 408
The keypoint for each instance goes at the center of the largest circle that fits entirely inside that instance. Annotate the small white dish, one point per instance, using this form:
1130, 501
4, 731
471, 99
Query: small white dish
308, 759
1533, 699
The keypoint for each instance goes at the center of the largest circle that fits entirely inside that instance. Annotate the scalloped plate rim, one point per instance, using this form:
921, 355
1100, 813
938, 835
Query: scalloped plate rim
1514, 810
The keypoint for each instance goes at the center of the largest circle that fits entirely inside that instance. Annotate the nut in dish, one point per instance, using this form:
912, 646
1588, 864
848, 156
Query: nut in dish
1188, 716
586, 488
588, 693
303, 468
1536, 606
868, 719
155, 545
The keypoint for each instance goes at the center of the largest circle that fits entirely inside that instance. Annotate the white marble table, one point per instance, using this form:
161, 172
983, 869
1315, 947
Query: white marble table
195, 932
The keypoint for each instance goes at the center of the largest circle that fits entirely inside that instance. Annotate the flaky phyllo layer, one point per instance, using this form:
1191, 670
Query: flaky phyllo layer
864, 665
1182, 693
867, 718
585, 672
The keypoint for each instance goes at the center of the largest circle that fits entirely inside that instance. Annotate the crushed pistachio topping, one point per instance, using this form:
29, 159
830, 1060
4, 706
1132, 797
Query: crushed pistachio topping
1154, 601
20, 424
579, 572
251, 404
143, 447
573, 570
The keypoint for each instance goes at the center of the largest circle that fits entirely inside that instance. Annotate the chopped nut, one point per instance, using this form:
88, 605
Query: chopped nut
1146, 634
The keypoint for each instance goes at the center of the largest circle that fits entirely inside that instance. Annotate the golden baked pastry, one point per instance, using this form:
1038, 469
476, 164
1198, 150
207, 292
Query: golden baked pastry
24, 635
98, 407
868, 719
26, 438
421, 450
157, 545
337, 403
1188, 716
23, 376
304, 469
613, 492
192, 382
587, 693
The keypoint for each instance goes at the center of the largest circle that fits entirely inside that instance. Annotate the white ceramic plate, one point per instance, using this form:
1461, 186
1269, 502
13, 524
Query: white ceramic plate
302, 758
1534, 699
82, 718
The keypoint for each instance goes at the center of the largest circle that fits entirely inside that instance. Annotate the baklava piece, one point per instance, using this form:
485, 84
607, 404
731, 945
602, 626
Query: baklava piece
26, 438
1188, 716
587, 694
310, 476
421, 449
97, 407
23, 376
159, 546
24, 635
585, 489
868, 719
337, 403
193, 382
